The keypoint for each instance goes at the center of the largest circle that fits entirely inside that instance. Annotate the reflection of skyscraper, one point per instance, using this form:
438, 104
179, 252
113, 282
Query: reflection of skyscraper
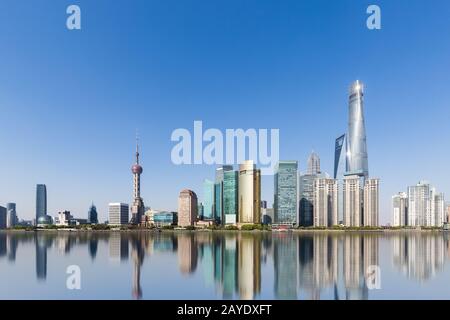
230, 266
118, 246
41, 201
285, 266
249, 193
93, 246
187, 253
419, 256
355, 286
137, 253
249, 266
357, 159
285, 187
2, 244
41, 257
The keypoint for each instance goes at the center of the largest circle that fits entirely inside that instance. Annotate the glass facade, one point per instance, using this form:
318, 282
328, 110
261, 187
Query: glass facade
307, 200
219, 193
357, 159
230, 196
41, 201
285, 201
164, 218
208, 200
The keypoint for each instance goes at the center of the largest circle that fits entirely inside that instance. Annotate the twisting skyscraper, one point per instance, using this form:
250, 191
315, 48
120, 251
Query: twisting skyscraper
357, 160
137, 209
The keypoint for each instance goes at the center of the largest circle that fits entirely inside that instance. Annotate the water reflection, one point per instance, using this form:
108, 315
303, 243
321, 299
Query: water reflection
297, 266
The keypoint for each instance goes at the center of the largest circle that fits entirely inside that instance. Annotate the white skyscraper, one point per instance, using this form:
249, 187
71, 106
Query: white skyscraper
352, 201
425, 207
371, 202
325, 202
400, 209
118, 214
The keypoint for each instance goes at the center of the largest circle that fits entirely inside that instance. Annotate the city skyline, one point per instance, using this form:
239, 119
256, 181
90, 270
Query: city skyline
271, 69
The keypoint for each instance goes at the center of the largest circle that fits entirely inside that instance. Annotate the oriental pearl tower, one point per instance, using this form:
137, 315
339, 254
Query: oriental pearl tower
137, 209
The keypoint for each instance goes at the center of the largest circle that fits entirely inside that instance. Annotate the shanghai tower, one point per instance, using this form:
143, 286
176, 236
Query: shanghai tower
357, 159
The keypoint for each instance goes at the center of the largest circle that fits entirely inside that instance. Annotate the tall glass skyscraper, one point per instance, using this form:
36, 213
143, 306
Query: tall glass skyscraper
208, 199
41, 201
218, 193
285, 187
357, 159
230, 196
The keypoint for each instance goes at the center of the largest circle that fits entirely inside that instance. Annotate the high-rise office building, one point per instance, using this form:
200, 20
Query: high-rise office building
400, 209
230, 196
313, 164
439, 209
447, 213
118, 214
219, 194
137, 208
306, 195
11, 215
208, 200
93, 215
340, 168
285, 187
425, 206
41, 201
3, 217
357, 158
325, 202
187, 208
352, 201
371, 202
249, 193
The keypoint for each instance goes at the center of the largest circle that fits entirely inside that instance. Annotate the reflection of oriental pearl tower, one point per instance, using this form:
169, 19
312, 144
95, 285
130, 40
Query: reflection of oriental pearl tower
137, 209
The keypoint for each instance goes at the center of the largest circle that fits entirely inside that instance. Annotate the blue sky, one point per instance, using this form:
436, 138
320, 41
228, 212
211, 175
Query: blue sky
71, 101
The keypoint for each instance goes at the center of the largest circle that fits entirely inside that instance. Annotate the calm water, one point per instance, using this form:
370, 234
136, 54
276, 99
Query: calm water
226, 265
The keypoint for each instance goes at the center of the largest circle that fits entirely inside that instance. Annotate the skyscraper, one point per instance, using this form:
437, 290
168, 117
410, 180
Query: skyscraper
230, 196
325, 202
313, 164
422, 208
11, 215
187, 208
400, 209
118, 214
249, 193
41, 201
340, 168
3, 217
357, 159
92, 215
352, 201
371, 202
208, 199
306, 194
138, 208
285, 187
218, 192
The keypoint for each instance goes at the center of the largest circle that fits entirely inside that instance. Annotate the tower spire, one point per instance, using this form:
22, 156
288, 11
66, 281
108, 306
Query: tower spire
137, 147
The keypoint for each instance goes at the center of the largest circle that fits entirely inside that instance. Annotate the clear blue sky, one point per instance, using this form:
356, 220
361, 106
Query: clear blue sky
71, 101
